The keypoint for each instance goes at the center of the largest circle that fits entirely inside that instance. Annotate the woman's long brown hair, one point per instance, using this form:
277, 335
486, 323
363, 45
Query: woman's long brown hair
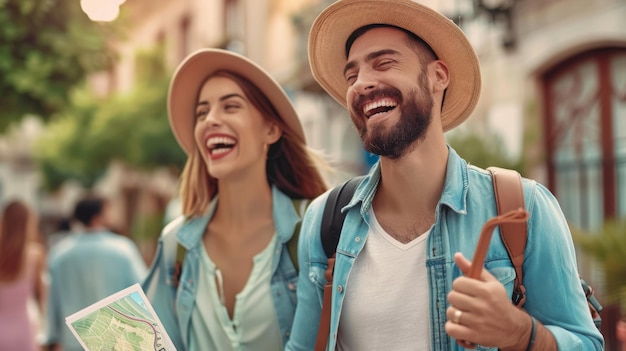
14, 226
291, 166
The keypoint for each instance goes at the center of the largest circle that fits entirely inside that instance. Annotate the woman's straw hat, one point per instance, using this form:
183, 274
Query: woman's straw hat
336, 23
193, 72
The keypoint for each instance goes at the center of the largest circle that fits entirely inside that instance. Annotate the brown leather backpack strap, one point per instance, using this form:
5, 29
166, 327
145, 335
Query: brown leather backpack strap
324, 328
509, 193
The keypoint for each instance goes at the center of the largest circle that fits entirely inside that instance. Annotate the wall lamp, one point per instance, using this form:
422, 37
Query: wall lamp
500, 11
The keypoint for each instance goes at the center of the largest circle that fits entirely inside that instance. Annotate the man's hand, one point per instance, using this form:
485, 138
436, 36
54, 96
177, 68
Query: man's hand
487, 316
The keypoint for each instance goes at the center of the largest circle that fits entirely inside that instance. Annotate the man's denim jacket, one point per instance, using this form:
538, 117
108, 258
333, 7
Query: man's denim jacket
554, 294
174, 305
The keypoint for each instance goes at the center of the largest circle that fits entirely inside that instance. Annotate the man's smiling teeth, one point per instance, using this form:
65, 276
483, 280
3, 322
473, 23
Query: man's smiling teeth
379, 106
220, 144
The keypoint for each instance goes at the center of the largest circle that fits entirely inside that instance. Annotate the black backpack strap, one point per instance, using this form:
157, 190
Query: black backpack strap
332, 220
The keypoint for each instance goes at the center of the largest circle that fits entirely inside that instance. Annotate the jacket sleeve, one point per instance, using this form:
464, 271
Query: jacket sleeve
312, 261
158, 284
554, 295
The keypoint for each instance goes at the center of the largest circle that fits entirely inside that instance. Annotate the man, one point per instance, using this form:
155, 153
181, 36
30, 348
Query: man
407, 74
86, 267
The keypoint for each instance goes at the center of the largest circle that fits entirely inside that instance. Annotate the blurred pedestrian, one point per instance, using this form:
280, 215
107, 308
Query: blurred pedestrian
248, 167
620, 330
22, 268
86, 267
63, 229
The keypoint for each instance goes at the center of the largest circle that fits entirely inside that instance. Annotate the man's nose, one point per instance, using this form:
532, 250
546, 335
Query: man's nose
364, 83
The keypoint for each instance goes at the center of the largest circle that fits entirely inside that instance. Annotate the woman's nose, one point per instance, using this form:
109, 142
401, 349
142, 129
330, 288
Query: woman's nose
213, 118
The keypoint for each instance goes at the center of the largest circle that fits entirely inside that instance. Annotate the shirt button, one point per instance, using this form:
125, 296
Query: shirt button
357, 239
340, 289
287, 334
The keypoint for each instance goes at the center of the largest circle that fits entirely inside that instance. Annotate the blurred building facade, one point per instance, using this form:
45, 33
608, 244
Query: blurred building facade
18, 171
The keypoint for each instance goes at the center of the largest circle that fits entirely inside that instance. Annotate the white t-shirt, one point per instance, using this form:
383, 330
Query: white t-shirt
386, 298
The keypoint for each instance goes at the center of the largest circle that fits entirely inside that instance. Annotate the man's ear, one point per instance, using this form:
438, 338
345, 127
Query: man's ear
273, 133
440, 75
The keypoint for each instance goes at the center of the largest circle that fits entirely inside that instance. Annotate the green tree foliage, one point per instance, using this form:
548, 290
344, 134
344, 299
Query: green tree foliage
607, 246
46, 48
484, 151
132, 128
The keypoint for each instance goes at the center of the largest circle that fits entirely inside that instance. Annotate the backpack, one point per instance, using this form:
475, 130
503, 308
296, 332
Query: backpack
509, 196
292, 245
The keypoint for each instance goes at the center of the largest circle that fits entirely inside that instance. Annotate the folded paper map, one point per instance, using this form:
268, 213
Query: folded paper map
122, 321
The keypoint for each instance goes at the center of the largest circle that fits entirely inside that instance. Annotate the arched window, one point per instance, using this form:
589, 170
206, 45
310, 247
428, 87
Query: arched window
585, 135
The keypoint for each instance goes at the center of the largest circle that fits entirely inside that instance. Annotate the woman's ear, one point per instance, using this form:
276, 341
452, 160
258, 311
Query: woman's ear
273, 133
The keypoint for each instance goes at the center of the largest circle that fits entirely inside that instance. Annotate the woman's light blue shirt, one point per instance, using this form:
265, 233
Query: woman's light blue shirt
253, 325
553, 292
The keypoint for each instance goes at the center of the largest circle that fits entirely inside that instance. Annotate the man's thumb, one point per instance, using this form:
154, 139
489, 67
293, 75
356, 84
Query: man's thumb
462, 263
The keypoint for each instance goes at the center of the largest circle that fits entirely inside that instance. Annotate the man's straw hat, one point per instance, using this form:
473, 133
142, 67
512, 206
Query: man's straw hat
334, 25
193, 72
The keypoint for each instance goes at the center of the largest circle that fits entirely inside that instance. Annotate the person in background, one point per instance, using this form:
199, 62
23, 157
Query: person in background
85, 267
63, 229
620, 331
406, 74
22, 269
247, 178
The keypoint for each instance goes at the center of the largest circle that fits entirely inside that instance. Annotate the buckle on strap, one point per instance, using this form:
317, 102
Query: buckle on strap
519, 296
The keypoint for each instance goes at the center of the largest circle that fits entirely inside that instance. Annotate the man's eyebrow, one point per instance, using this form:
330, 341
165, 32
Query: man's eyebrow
370, 57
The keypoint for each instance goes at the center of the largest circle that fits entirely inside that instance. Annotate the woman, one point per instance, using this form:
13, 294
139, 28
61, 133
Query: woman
22, 265
620, 331
247, 163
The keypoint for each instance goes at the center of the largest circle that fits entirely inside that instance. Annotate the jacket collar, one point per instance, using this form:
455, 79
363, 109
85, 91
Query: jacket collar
285, 219
454, 194
456, 186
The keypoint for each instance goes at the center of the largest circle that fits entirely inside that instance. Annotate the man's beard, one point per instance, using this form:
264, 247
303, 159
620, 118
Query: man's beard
415, 117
